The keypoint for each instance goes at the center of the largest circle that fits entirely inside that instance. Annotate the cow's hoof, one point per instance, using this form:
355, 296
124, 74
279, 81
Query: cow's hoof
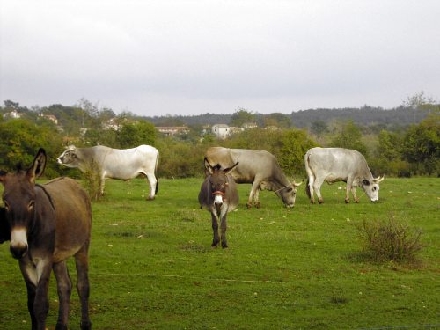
347, 201
257, 205
248, 205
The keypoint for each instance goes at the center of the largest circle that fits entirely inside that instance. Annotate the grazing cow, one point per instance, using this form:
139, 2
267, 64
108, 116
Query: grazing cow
219, 195
46, 225
115, 163
337, 164
258, 167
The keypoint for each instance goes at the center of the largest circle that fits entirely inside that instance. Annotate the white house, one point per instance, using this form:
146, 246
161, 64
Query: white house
221, 130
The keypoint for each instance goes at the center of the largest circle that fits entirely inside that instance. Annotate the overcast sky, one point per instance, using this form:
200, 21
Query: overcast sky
194, 57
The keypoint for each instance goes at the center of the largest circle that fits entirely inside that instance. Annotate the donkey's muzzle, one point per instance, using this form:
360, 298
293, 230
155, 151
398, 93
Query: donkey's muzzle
19, 251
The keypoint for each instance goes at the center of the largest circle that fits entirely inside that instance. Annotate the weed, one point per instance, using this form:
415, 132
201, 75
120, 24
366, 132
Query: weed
390, 240
92, 180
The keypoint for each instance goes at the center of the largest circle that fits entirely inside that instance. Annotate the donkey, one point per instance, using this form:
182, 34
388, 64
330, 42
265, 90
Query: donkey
219, 195
46, 225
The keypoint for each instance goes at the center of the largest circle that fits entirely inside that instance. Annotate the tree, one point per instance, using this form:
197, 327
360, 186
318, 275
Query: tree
349, 137
294, 144
240, 117
421, 146
132, 134
276, 120
19, 141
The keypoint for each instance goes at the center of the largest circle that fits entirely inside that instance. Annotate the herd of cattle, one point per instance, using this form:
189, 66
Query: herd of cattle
49, 223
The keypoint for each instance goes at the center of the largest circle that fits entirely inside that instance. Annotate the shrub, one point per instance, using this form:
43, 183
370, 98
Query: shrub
91, 180
390, 240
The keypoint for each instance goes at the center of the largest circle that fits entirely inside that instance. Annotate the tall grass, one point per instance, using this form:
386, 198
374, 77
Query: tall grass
152, 266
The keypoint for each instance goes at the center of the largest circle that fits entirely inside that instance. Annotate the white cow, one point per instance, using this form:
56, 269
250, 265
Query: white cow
258, 167
338, 164
115, 163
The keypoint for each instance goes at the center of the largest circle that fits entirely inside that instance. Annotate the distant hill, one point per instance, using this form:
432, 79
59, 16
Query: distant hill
365, 116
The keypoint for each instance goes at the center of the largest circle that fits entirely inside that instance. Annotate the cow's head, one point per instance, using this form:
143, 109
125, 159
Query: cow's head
371, 188
69, 157
288, 194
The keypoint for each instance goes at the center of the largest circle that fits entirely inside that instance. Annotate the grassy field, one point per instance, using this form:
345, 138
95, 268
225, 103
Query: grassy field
152, 266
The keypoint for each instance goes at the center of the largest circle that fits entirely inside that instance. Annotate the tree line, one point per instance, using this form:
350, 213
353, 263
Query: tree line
412, 149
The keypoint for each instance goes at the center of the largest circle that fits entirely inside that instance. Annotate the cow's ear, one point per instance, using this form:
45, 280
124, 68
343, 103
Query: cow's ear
366, 182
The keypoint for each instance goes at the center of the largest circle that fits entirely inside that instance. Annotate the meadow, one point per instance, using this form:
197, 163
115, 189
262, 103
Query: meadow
152, 265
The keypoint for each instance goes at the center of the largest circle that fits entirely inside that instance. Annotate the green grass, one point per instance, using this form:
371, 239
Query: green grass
152, 266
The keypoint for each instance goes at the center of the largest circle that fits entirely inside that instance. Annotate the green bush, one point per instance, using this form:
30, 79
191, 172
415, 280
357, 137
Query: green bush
390, 240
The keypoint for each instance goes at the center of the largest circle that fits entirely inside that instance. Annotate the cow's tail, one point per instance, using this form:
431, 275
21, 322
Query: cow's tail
155, 174
309, 173
307, 189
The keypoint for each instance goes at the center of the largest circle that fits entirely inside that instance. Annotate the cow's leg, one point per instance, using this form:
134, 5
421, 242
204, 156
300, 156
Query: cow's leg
253, 195
353, 192
310, 186
223, 226
64, 288
257, 198
83, 286
250, 201
216, 238
102, 185
317, 187
153, 184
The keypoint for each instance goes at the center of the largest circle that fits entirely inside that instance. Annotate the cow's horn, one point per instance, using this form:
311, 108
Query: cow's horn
379, 179
297, 184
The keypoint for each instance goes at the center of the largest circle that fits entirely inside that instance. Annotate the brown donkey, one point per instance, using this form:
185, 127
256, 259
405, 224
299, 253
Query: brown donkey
46, 225
219, 195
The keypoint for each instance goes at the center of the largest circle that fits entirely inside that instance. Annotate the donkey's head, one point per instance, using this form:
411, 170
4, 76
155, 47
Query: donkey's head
218, 182
19, 201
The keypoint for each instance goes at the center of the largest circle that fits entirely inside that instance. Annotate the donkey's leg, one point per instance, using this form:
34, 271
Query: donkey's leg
37, 285
223, 227
64, 288
30, 289
83, 286
216, 238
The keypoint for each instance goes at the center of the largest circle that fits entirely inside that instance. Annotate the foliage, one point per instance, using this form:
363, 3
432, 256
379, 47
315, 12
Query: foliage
179, 160
91, 180
294, 144
241, 117
421, 146
131, 135
19, 140
349, 136
388, 156
390, 240
383, 136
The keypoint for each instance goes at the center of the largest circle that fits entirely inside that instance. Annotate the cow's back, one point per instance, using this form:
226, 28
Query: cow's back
72, 209
335, 160
250, 162
125, 164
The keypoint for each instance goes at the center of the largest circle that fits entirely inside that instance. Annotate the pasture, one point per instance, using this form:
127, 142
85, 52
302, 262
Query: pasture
153, 267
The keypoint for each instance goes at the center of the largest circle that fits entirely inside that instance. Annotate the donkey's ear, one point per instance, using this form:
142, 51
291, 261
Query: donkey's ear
229, 169
38, 166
